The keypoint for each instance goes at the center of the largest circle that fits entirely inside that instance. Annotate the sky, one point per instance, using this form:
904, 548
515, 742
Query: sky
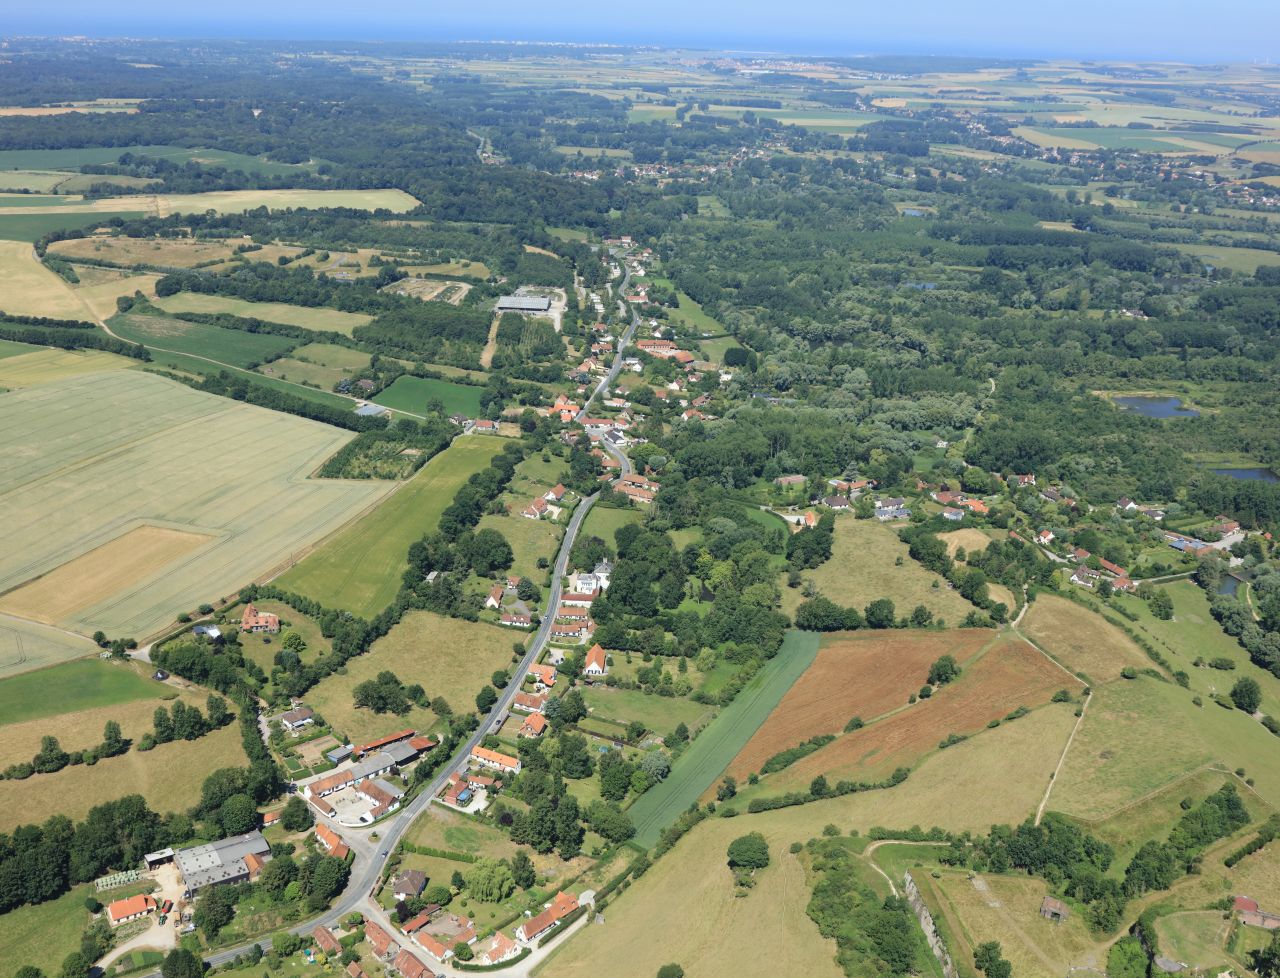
1174, 30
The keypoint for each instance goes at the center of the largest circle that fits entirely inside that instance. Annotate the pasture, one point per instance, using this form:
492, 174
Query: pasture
529, 539
230, 346
321, 364
44, 934
27, 288
413, 394
146, 451
29, 224
47, 365
82, 685
604, 522
1083, 642
972, 539
715, 748
864, 567
358, 569
165, 252
864, 674
449, 657
660, 714
319, 319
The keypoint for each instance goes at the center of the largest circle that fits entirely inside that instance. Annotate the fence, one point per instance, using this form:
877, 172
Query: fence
926, 924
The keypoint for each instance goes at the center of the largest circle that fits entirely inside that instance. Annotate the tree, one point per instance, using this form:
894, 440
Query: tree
1266, 962
28, 971
1161, 604
749, 851
678, 736
1246, 694
462, 951
575, 757
51, 757
674, 970
278, 874
326, 877
609, 821
656, 764
75, 965
113, 741
486, 698
880, 613
526, 590
296, 816
522, 870
943, 671
216, 711
489, 880
214, 910
181, 963
238, 815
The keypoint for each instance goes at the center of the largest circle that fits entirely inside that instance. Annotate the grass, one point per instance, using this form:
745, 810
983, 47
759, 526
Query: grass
452, 269
12, 348
449, 657
529, 539
1237, 259
660, 714
604, 521
125, 449
358, 569
47, 366
1195, 937
1083, 642
864, 566
717, 745
321, 364
44, 934
35, 223
73, 159
413, 394
81, 685
27, 288
231, 346
319, 319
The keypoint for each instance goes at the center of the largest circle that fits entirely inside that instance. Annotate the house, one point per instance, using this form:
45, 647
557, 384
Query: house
1124, 584
579, 599
975, 506
409, 884
297, 718
211, 632
494, 600
492, 759
567, 613
556, 494
790, 480
1022, 481
836, 502
1085, 576
1126, 505
384, 797
948, 496
602, 572
954, 515
130, 908
572, 631
530, 702
331, 841
1080, 555
253, 864
535, 724
635, 493
1055, 910
893, 508
496, 950
1248, 911
559, 908
270, 818
325, 940
597, 662
461, 420
634, 479
512, 582
456, 792
258, 622
809, 519
381, 942
515, 621
1051, 495
407, 965
1044, 538
484, 427
692, 414
537, 509
1111, 568
354, 970
543, 676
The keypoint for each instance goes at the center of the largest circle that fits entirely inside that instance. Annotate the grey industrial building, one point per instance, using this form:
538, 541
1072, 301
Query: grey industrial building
524, 303
221, 862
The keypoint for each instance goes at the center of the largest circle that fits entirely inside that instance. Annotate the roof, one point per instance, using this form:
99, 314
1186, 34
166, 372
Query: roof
331, 841
409, 966
493, 757
534, 724
414, 878
298, 715
423, 743
219, 862
524, 303
500, 947
1054, 905
322, 785
383, 741
530, 701
596, 657
376, 936
546, 674
1246, 904
131, 907
325, 940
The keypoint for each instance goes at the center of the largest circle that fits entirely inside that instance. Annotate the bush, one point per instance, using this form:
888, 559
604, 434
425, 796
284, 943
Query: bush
749, 852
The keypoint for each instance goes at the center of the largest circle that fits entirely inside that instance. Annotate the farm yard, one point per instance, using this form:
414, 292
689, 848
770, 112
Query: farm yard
358, 569
128, 438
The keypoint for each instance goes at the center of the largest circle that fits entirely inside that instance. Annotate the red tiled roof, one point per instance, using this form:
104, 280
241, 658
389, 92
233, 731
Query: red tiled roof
130, 907
325, 940
409, 966
383, 741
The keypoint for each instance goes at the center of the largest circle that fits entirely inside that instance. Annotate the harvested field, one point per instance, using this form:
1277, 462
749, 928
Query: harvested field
863, 567
448, 656
971, 539
46, 366
100, 573
101, 296
862, 674
95, 456
1082, 641
322, 320
27, 288
1008, 675
358, 569
167, 252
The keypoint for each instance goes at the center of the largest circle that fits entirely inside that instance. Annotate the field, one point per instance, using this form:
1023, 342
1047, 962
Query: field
25, 645
358, 569
73, 159
100, 288
148, 451
862, 568
452, 269
529, 539
1006, 676
973, 540
81, 685
237, 201
603, 522
323, 320
448, 656
44, 934
660, 714
858, 674
166, 252
231, 346
322, 364
27, 288
1195, 937
717, 745
1082, 641
47, 365
413, 394
1244, 260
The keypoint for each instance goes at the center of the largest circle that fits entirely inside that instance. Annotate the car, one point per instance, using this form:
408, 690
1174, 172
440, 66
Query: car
163, 920
383, 852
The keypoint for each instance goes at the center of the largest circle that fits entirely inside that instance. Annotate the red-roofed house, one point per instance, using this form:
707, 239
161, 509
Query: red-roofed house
258, 622
536, 509
555, 495
597, 662
542, 675
325, 940
534, 726
130, 908
331, 841
408, 966
559, 908
492, 759
494, 600
515, 621
497, 949
579, 599
381, 942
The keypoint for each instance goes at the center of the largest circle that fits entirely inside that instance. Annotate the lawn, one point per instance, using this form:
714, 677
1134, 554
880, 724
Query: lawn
44, 934
529, 539
604, 521
864, 566
232, 346
358, 569
717, 745
1196, 938
413, 394
81, 685
449, 657
660, 714
126, 449
1082, 641
320, 319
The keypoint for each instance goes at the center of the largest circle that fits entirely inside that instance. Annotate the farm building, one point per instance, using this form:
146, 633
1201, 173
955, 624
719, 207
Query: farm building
559, 908
524, 303
227, 861
492, 759
130, 908
332, 842
1055, 910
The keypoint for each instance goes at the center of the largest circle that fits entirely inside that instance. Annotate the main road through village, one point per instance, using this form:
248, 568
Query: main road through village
370, 856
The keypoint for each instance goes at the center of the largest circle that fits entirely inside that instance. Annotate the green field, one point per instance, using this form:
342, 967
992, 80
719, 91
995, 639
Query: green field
186, 364
97, 457
323, 320
321, 364
719, 743
10, 348
73, 159
604, 521
32, 226
231, 346
44, 934
413, 394
1245, 260
359, 568
81, 685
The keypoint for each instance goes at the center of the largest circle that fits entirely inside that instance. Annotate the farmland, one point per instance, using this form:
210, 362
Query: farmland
231, 346
660, 714
27, 288
413, 394
234, 202
861, 674
322, 320
165, 252
1081, 640
358, 569
46, 365
82, 685
717, 745
321, 364
44, 934
128, 438
449, 657
864, 567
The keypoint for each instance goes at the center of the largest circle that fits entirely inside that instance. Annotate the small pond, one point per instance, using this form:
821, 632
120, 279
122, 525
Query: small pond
912, 212
1249, 475
1228, 585
1156, 407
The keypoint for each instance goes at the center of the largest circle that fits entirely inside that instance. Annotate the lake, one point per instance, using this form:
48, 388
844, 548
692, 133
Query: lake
1156, 407
1249, 475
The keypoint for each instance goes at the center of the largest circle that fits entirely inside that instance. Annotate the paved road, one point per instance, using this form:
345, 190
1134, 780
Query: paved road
612, 375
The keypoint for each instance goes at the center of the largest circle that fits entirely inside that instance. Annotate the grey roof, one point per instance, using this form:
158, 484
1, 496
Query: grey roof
524, 303
401, 753
372, 766
389, 788
220, 862
339, 753
370, 410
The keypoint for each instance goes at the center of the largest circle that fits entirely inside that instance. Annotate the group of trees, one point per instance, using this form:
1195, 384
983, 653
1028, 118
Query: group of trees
385, 693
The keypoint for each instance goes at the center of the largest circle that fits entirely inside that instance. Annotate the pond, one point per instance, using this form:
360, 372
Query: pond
912, 212
1249, 475
1156, 407
1228, 585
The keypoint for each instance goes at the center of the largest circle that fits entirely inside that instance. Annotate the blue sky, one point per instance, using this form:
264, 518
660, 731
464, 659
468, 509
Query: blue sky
1193, 30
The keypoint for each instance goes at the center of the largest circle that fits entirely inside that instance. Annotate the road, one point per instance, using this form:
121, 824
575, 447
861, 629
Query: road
611, 375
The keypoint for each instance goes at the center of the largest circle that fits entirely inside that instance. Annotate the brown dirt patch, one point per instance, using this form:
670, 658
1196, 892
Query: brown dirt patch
862, 674
1009, 675
100, 573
